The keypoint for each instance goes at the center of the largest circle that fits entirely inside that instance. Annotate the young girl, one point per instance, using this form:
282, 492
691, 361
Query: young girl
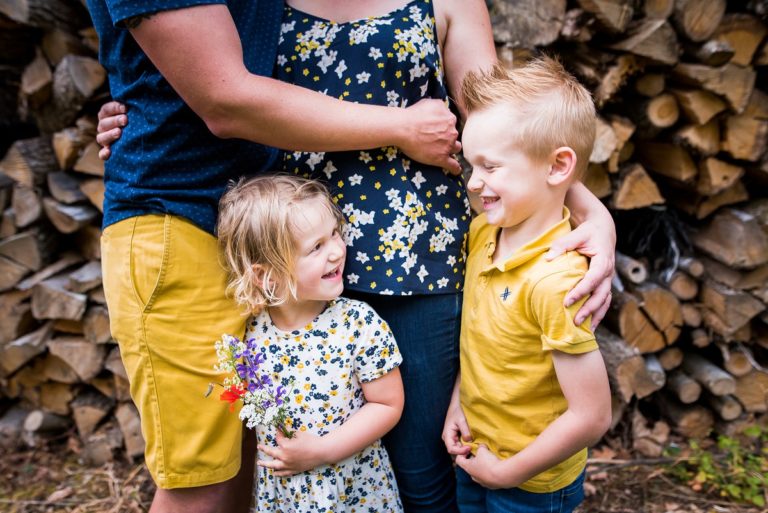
281, 240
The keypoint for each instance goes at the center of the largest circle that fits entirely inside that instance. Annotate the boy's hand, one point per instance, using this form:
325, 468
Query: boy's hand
293, 455
483, 468
455, 430
111, 120
599, 245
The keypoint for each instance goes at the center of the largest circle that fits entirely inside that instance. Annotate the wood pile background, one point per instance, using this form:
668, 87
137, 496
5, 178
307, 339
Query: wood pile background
682, 91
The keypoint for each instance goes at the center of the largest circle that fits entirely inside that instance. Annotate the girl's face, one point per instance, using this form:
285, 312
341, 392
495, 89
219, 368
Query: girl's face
320, 253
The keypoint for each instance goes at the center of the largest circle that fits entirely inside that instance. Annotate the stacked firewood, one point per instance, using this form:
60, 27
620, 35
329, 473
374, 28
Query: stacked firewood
680, 160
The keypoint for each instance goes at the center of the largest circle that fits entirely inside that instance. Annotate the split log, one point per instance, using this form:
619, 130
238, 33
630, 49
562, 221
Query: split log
667, 160
698, 105
11, 426
68, 326
703, 139
734, 238
653, 39
46, 14
67, 260
691, 421
67, 144
730, 81
18, 352
658, 9
57, 44
88, 240
698, 19
635, 189
648, 441
32, 249
68, 218
89, 409
655, 114
662, 309
27, 205
700, 206
606, 142
85, 358
712, 52
734, 307
527, 23
743, 33
631, 322
614, 78
55, 398
130, 425
55, 369
623, 363
65, 188
114, 363
709, 375
654, 371
36, 83
670, 358
89, 161
685, 388
746, 134
630, 269
86, 277
96, 325
10, 273
715, 176
752, 391
614, 16
99, 447
50, 300
94, 190
28, 161
16, 313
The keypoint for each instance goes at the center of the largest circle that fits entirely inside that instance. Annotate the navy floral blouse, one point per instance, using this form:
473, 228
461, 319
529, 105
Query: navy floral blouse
406, 221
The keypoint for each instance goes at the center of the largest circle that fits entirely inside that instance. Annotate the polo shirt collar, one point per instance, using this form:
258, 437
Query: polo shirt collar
530, 250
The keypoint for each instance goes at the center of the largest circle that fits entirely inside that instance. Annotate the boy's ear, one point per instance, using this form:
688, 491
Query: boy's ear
563, 166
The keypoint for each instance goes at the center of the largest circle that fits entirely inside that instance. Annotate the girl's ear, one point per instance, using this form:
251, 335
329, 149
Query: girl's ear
563, 166
259, 274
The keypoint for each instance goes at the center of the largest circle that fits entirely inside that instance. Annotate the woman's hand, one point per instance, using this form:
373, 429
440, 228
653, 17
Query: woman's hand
598, 242
293, 455
112, 119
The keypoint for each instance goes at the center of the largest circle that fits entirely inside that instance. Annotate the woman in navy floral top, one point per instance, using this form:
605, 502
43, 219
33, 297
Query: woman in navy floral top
407, 222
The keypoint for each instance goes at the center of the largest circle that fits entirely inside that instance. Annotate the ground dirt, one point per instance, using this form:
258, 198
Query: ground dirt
53, 479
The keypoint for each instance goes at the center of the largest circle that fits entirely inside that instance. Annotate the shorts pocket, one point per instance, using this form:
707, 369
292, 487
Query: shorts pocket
150, 244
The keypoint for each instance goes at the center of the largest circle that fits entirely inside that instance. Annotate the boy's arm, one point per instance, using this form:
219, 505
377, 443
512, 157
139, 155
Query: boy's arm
384, 405
584, 382
594, 237
198, 50
468, 43
456, 428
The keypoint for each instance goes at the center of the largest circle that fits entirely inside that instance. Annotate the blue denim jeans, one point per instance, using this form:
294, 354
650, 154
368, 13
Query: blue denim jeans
474, 498
426, 329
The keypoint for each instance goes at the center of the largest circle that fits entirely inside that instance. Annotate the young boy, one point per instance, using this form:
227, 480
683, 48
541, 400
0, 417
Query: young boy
533, 391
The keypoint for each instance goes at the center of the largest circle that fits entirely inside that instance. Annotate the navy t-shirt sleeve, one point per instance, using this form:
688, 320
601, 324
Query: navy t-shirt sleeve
121, 10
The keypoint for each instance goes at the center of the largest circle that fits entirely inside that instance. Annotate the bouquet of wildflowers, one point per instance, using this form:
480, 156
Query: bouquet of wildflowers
263, 402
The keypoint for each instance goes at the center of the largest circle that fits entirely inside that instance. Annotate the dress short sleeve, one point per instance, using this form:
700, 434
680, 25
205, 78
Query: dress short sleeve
558, 331
376, 352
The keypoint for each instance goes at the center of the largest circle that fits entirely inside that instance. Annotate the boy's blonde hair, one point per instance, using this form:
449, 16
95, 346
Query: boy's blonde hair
554, 108
256, 226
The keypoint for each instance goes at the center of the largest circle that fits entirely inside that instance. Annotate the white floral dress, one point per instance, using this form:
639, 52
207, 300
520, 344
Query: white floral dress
323, 365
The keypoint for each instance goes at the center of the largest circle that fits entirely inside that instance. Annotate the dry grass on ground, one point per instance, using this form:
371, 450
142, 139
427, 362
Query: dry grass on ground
52, 480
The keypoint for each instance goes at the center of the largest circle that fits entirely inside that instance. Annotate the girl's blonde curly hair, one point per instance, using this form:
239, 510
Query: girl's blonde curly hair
255, 229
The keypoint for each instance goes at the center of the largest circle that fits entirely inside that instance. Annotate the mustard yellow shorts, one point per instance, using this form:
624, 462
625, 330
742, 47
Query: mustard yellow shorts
165, 290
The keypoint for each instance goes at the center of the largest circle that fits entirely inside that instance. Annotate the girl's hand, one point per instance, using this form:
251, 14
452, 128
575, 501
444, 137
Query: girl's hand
598, 243
455, 430
112, 119
483, 468
293, 455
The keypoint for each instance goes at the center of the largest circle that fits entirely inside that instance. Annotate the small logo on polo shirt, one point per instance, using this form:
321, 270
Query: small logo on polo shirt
504, 295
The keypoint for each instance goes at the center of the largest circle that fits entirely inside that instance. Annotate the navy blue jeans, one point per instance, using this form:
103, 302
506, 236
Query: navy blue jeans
474, 498
426, 329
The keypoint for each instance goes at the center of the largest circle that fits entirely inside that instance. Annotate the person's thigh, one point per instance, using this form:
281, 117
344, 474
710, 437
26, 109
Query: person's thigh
426, 329
564, 500
470, 496
165, 291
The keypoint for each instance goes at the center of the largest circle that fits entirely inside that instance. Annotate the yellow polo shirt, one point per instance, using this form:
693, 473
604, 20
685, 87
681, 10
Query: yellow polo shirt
513, 318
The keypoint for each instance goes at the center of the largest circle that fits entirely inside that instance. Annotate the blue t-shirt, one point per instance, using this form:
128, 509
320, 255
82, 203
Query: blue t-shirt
167, 161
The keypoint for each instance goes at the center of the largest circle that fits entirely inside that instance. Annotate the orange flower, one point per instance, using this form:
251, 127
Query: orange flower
231, 395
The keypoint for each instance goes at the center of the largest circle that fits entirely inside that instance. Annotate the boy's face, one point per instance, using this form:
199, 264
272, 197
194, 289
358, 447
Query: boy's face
511, 185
